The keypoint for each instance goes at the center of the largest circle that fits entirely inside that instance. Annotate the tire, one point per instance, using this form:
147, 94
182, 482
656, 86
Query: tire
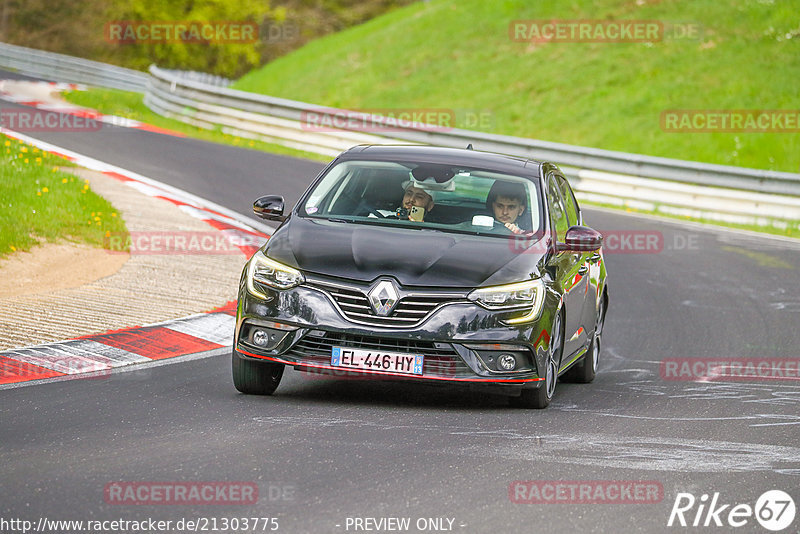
255, 377
584, 371
540, 397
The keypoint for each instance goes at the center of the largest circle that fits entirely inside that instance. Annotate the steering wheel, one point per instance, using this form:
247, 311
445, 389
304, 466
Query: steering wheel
372, 210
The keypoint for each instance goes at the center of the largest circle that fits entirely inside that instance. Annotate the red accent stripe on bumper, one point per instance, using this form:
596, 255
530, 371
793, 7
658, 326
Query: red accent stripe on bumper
384, 373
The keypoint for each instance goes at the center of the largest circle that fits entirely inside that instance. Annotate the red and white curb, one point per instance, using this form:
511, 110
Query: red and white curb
70, 109
98, 354
95, 356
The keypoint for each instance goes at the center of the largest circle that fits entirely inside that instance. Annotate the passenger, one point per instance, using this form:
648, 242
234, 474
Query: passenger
415, 196
506, 201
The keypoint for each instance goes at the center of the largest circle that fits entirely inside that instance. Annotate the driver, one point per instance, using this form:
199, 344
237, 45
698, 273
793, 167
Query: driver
507, 204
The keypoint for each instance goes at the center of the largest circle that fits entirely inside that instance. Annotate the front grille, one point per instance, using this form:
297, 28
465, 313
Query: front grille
440, 358
410, 310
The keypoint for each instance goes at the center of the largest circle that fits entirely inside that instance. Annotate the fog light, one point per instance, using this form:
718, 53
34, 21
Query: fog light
506, 362
260, 338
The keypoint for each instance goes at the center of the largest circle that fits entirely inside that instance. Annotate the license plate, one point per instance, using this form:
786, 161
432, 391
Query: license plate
372, 360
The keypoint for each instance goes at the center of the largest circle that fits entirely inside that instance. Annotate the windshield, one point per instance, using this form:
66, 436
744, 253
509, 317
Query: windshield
427, 196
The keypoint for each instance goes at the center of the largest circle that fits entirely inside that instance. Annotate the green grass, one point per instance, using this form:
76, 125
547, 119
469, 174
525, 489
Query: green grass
457, 55
131, 105
40, 203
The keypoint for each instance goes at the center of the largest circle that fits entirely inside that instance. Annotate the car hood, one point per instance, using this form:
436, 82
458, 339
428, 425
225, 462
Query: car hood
414, 257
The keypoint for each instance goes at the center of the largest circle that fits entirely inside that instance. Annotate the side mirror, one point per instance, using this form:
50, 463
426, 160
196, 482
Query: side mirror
581, 239
270, 208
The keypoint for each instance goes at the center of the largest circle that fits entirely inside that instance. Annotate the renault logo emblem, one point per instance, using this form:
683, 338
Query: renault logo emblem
383, 297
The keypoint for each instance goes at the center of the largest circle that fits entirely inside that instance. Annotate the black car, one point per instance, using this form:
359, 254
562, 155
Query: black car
426, 263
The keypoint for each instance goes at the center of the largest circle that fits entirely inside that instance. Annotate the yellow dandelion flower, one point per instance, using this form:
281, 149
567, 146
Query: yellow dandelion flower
93, 214
8, 143
13, 248
98, 223
114, 214
23, 149
35, 150
108, 234
39, 160
45, 190
63, 180
26, 160
38, 193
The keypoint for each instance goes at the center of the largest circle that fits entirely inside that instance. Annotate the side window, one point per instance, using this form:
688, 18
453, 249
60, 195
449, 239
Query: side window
558, 216
569, 200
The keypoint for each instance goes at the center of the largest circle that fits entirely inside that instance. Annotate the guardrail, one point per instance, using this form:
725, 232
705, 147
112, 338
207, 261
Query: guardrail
62, 68
733, 194
184, 92
717, 192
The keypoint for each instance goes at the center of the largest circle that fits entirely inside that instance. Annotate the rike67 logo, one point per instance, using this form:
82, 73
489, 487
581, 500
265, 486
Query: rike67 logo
774, 510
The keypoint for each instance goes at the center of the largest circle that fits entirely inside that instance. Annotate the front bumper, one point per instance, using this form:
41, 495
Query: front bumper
458, 339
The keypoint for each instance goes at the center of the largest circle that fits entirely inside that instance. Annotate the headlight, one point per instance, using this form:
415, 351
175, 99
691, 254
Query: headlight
512, 296
266, 271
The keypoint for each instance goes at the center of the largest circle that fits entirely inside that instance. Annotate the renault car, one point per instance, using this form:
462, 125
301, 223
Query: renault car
424, 263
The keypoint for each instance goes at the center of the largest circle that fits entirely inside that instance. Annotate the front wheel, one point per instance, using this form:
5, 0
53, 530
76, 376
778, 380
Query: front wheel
255, 377
540, 397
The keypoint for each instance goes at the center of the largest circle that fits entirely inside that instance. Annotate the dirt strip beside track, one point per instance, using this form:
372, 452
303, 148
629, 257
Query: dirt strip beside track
148, 288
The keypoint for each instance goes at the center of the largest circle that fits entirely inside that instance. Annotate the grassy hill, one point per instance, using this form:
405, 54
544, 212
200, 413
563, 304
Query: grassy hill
458, 55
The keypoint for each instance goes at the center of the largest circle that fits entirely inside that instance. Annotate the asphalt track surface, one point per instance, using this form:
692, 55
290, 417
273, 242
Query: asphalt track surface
325, 450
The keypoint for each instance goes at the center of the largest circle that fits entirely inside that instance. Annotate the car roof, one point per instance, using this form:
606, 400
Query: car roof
447, 156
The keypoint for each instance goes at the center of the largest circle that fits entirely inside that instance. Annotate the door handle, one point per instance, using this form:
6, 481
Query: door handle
594, 257
584, 269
